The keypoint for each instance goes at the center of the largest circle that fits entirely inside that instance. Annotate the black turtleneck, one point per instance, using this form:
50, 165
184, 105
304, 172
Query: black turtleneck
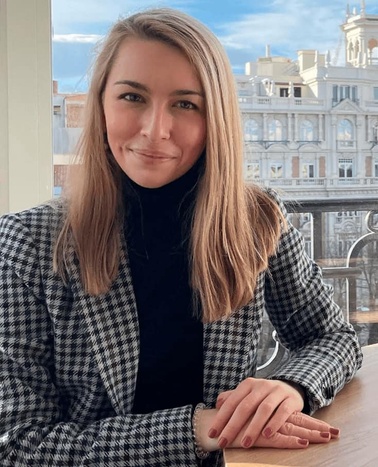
157, 226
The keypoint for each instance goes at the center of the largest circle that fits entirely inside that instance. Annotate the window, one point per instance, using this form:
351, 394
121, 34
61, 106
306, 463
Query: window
276, 170
375, 93
342, 92
345, 168
253, 171
308, 170
297, 91
376, 169
275, 130
306, 131
284, 92
251, 130
345, 133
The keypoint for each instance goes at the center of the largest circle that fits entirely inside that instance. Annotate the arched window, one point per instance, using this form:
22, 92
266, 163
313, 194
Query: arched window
275, 130
251, 130
306, 132
345, 133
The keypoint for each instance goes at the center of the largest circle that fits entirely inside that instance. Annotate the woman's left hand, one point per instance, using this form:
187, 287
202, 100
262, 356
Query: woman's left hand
266, 403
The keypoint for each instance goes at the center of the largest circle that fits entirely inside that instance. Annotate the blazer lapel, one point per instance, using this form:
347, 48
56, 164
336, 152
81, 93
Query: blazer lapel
112, 324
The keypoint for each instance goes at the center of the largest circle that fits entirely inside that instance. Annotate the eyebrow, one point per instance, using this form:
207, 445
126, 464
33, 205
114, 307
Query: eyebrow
142, 87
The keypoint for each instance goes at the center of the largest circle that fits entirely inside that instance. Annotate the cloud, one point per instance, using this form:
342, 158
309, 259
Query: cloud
77, 38
288, 26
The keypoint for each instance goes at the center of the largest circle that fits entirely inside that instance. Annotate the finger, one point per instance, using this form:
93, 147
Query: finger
265, 413
239, 418
284, 411
313, 436
221, 399
281, 441
230, 406
306, 421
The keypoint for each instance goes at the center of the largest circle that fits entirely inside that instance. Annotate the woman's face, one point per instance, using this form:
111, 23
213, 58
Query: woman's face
154, 109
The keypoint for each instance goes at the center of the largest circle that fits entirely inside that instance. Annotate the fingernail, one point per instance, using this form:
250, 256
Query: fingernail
267, 433
303, 442
334, 431
222, 443
212, 433
325, 434
247, 442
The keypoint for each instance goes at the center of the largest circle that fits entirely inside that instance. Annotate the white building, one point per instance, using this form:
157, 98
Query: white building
310, 126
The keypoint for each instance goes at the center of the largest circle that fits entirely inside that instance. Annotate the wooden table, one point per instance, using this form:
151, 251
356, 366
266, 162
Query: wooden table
354, 411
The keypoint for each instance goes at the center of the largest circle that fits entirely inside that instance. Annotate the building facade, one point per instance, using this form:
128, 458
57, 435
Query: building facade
310, 126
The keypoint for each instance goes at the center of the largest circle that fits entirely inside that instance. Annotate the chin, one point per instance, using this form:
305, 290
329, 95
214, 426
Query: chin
149, 183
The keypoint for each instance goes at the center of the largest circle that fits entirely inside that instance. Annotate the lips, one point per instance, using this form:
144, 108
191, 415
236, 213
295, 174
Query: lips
152, 154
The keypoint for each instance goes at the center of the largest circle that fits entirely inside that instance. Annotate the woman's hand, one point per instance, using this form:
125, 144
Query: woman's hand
297, 432
258, 408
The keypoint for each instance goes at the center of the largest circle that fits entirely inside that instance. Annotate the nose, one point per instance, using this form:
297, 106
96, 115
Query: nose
156, 123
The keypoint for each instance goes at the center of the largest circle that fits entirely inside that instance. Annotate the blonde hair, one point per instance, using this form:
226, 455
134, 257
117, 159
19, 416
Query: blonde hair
235, 228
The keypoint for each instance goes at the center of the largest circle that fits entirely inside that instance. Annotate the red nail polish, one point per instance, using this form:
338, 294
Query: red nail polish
303, 442
212, 433
325, 434
334, 431
247, 442
267, 433
222, 442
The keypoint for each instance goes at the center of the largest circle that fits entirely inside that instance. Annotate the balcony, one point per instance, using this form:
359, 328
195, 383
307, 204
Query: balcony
279, 103
346, 187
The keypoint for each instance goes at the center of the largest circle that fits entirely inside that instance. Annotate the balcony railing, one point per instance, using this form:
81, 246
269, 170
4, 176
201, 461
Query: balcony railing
352, 270
326, 184
261, 102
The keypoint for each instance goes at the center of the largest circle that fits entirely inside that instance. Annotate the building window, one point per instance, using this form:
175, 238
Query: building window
276, 170
345, 133
344, 92
297, 91
251, 130
275, 130
375, 91
376, 169
308, 170
345, 168
253, 171
284, 92
306, 131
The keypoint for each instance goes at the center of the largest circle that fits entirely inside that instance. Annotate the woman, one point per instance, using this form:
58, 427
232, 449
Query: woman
131, 309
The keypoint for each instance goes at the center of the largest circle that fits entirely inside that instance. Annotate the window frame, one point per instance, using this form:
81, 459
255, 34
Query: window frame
26, 156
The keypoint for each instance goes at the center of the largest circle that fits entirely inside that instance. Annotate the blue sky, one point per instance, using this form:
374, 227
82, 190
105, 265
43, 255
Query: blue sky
244, 27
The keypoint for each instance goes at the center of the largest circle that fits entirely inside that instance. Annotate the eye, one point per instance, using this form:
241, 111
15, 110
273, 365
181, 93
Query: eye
186, 105
131, 97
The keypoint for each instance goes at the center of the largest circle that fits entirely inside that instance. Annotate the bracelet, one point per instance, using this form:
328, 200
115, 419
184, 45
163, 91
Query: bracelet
200, 453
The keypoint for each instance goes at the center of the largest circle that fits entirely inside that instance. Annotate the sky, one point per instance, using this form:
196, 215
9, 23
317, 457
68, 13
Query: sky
244, 27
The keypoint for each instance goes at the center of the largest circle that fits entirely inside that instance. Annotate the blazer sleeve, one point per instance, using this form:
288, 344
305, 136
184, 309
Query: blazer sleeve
34, 430
324, 349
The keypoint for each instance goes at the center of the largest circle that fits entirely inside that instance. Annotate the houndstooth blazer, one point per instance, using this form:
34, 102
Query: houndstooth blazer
69, 361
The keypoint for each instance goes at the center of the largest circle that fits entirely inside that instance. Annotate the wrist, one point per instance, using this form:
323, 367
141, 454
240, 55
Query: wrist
202, 420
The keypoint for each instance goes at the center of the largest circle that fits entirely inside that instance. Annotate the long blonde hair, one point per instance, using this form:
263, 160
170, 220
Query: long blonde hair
235, 228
